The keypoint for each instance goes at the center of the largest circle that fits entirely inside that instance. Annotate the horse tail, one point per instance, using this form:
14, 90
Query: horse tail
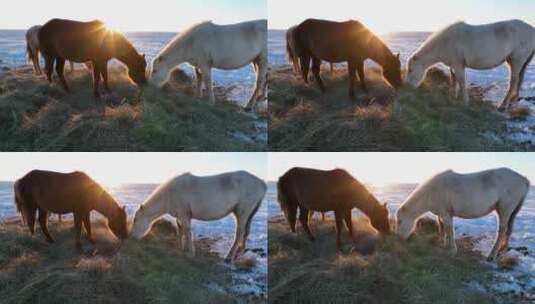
291, 55
282, 196
29, 52
20, 203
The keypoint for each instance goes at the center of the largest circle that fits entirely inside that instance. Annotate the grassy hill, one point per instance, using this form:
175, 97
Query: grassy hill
36, 116
303, 119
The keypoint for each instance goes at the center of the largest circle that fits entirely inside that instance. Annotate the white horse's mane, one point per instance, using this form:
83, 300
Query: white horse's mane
437, 36
184, 36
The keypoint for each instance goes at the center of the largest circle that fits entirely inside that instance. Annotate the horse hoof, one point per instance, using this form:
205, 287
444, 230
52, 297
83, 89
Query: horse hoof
501, 109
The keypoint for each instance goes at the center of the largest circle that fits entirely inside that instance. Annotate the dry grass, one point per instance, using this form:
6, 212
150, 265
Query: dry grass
417, 271
36, 116
303, 119
147, 271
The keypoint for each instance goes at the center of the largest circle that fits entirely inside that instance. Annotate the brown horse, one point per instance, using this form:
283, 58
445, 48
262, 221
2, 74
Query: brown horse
61, 193
336, 190
351, 42
62, 40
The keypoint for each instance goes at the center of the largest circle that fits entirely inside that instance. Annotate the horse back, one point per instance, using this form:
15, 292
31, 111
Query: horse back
56, 192
317, 189
332, 41
73, 40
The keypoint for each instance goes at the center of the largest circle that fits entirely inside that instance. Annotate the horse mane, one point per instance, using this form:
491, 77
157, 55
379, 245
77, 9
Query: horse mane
184, 36
436, 37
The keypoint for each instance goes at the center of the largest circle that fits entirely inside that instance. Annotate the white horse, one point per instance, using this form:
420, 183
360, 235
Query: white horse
207, 45
207, 198
480, 47
474, 195
33, 49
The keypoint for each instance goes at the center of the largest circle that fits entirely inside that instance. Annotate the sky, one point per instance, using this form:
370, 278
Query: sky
113, 169
385, 16
389, 168
132, 15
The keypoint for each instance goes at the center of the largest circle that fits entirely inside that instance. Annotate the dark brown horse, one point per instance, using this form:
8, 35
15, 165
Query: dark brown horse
61, 193
62, 40
336, 190
351, 42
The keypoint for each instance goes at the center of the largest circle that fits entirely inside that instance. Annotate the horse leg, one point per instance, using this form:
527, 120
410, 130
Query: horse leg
87, 224
252, 101
207, 77
360, 70
316, 69
460, 76
77, 230
441, 232
349, 223
180, 235
291, 216
503, 220
60, 68
49, 67
71, 65
514, 80
453, 84
43, 217
332, 67
31, 214
189, 247
305, 66
96, 79
352, 70
303, 218
245, 235
450, 232
198, 78
339, 224
104, 73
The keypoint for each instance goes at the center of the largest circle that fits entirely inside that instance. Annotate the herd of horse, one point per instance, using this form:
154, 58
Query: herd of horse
184, 197
446, 195
458, 46
204, 46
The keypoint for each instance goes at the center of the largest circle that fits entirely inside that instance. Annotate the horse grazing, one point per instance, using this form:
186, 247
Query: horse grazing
207, 45
32, 49
336, 190
474, 195
61, 193
480, 47
290, 51
206, 198
349, 42
62, 40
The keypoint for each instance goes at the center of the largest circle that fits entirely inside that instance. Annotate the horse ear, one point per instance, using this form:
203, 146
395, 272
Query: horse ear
124, 208
397, 56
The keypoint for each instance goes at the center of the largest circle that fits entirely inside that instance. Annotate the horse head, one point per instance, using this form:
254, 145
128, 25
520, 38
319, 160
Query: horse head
117, 223
415, 71
404, 223
379, 219
392, 71
137, 69
141, 225
158, 71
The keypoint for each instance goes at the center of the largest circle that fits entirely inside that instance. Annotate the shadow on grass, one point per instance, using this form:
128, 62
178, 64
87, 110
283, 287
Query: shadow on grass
36, 116
303, 119
418, 271
149, 271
